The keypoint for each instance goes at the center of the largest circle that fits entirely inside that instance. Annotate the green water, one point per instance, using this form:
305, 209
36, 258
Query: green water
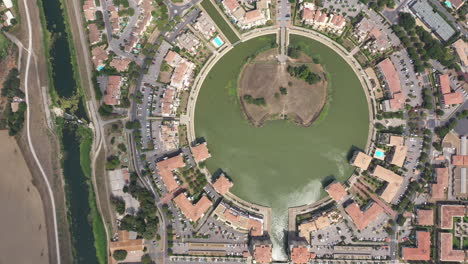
281, 164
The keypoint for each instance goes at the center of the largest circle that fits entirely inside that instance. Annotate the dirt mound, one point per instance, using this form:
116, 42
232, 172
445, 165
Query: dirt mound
267, 91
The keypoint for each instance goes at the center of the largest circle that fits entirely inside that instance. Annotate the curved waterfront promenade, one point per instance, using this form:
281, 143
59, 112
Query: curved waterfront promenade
189, 118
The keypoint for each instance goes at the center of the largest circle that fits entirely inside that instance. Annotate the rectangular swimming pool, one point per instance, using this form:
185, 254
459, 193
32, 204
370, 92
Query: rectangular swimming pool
217, 42
379, 153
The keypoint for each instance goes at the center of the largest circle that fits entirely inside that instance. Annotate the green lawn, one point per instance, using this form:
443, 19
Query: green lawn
219, 20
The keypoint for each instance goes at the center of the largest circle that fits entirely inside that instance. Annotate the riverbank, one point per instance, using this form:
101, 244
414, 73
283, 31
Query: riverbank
88, 232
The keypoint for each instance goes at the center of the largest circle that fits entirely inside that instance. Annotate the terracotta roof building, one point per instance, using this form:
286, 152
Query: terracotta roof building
99, 56
399, 156
165, 169
192, 211
444, 82
363, 219
263, 253
222, 185
425, 217
446, 251
457, 3
361, 160
231, 5
172, 58
423, 251
438, 189
134, 247
453, 98
396, 141
253, 16
300, 255
460, 160
336, 191
112, 96
461, 47
448, 212
120, 64
394, 182
200, 152
94, 34
391, 76
242, 221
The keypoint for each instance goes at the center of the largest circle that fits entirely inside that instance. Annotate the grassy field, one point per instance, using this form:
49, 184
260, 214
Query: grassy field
219, 20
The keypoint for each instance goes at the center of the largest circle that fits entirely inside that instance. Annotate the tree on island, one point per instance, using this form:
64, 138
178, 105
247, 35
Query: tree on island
120, 254
256, 101
304, 73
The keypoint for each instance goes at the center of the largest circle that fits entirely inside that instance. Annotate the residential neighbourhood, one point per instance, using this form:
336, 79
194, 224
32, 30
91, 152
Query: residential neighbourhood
394, 205
164, 193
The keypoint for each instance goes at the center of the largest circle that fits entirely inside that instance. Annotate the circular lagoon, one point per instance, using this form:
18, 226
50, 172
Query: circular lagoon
281, 164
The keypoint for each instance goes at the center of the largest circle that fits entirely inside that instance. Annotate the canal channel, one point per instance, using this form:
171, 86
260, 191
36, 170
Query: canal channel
64, 88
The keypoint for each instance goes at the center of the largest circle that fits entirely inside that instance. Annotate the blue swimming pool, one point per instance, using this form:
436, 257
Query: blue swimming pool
100, 68
379, 153
448, 3
218, 42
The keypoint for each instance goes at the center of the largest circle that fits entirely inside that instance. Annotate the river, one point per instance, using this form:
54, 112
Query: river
77, 188
281, 164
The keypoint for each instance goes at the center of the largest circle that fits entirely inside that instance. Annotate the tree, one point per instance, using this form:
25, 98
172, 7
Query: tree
119, 205
146, 259
105, 110
112, 162
406, 21
133, 124
120, 254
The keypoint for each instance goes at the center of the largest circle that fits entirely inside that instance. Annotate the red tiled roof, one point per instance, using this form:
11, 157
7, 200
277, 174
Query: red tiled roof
447, 212
457, 3
94, 34
113, 90
363, 219
391, 76
453, 98
255, 227
262, 253
192, 211
398, 101
423, 251
200, 152
447, 253
438, 189
222, 185
337, 191
308, 14
458, 160
444, 81
300, 255
425, 217
231, 5
120, 64
165, 169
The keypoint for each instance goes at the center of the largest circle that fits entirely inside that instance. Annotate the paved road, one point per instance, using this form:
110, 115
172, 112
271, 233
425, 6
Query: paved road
178, 10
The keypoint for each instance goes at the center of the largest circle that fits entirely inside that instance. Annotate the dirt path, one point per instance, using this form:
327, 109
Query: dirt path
25, 232
43, 139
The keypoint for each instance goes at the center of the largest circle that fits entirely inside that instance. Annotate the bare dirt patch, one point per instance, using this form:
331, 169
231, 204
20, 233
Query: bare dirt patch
285, 97
25, 235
